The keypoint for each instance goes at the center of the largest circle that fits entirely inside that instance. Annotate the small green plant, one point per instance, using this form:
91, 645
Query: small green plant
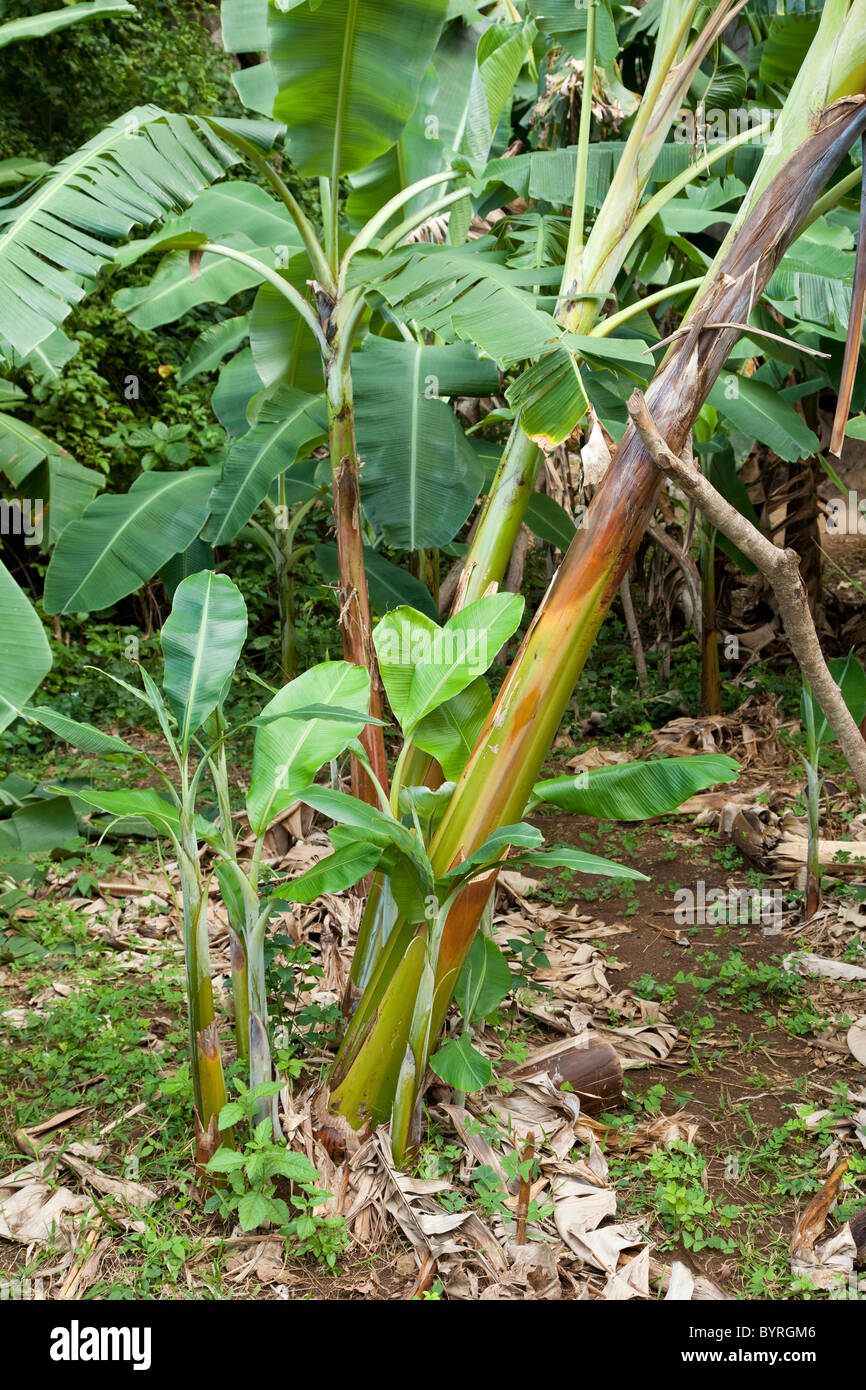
257, 1173
683, 1204
159, 443
651, 1100
647, 987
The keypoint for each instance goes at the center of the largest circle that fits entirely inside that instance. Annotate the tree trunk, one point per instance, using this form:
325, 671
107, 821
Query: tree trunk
355, 621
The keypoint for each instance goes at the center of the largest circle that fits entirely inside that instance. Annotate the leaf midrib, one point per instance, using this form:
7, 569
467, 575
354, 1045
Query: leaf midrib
413, 444
342, 92
196, 665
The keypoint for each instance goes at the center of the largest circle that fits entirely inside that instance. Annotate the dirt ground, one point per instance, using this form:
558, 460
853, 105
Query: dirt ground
726, 1132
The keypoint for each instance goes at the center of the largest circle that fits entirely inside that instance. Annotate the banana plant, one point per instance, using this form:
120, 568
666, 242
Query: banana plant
426, 669
350, 118
201, 642
441, 701
490, 295
823, 116
340, 118
307, 723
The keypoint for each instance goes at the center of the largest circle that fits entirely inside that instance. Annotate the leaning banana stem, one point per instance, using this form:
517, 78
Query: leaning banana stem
511, 748
355, 622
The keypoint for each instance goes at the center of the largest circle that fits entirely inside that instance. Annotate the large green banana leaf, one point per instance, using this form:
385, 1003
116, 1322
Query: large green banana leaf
201, 641
437, 127
54, 241
470, 293
25, 656
421, 475
348, 74
419, 152
635, 791
122, 540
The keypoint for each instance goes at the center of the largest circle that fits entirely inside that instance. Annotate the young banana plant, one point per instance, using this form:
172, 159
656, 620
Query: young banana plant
201, 643
308, 722
345, 79
426, 670
434, 678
